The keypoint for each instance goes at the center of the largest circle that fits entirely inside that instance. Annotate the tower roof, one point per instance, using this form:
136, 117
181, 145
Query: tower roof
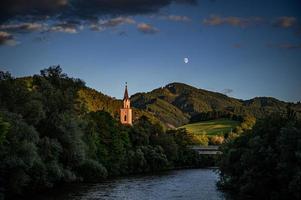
126, 94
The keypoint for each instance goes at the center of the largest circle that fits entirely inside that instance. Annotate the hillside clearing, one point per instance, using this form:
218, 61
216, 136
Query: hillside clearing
212, 127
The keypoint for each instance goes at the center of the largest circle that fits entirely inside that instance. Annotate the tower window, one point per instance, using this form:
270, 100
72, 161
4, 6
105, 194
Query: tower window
124, 117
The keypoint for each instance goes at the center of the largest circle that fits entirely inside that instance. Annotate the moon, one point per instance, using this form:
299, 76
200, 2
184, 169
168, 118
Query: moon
186, 60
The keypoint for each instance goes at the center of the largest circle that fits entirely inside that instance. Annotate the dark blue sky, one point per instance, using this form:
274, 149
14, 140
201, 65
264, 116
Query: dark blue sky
242, 48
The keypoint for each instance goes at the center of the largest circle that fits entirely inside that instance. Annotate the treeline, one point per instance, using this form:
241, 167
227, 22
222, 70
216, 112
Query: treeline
215, 114
265, 162
48, 137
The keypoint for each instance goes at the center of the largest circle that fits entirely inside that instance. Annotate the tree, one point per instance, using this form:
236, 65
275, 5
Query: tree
18, 153
264, 163
4, 126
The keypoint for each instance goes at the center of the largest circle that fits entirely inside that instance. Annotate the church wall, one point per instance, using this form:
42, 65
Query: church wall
126, 116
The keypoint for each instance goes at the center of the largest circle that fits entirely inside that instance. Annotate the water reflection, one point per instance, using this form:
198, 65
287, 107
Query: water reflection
193, 184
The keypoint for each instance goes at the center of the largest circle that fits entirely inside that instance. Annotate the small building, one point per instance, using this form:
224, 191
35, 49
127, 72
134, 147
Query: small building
126, 111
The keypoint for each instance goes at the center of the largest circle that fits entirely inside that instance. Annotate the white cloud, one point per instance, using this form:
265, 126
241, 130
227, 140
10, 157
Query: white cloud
147, 28
7, 39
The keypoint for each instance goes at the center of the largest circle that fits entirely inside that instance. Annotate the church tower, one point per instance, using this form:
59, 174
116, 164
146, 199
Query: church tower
126, 111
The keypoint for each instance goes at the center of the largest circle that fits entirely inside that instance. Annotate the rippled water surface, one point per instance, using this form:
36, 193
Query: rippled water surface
192, 184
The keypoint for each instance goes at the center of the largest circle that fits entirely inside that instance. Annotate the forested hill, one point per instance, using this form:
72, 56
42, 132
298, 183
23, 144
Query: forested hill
89, 98
176, 103
92, 100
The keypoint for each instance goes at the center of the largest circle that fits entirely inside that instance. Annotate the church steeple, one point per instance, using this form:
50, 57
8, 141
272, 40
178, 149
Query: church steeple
126, 94
126, 111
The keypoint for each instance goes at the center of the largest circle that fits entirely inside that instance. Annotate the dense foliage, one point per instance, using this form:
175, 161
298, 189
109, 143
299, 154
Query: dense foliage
49, 136
215, 114
265, 163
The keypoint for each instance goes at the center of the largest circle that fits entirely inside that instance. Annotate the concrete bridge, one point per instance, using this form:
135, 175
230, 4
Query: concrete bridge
206, 150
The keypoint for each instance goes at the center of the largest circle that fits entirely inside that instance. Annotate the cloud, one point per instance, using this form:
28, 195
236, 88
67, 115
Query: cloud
147, 28
117, 21
7, 39
26, 16
22, 27
80, 9
66, 27
96, 27
215, 20
191, 2
70, 16
13, 8
110, 23
285, 22
123, 7
285, 46
227, 91
176, 18
71, 26
16, 28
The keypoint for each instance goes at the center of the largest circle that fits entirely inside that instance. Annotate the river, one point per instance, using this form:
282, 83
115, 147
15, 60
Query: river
190, 184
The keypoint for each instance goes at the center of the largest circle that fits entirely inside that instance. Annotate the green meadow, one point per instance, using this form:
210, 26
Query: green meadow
212, 127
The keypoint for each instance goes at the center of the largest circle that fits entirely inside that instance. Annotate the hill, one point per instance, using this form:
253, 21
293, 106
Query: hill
175, 103
93, 100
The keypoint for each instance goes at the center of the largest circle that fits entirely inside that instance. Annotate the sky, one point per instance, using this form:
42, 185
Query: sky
243, 49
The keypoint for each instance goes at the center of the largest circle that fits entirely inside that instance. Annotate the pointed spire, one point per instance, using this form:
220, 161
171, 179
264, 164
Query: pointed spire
126, 95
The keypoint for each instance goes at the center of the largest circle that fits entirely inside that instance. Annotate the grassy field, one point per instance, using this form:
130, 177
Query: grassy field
213, 127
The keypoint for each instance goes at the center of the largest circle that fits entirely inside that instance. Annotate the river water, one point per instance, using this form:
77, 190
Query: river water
190, 184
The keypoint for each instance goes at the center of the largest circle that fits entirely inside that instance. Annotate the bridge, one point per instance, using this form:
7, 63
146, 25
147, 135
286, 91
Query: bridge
206, 150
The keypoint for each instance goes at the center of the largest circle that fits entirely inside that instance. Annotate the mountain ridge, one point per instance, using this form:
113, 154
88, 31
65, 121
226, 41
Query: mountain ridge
174, 104
188, 101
